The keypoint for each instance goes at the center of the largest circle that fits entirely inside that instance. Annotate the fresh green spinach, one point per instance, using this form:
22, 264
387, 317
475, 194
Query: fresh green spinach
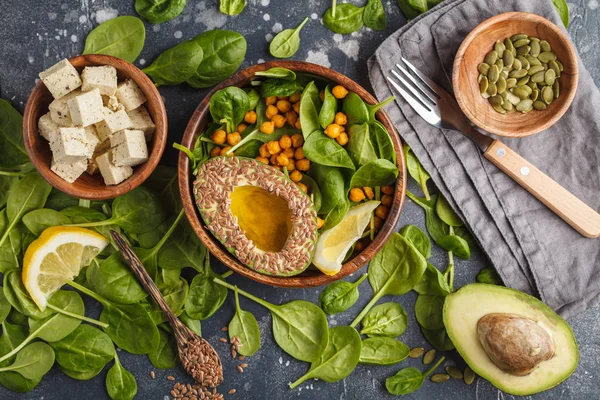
243, 325
166, 355
340, 296
323, 150
446, 213
175, 65
205, 296
416, 170
38, 220
382, 351
310, 105
232, 7
113, 279
331, 180
432, 283
159, 11
121, 37
417, 238
375, 173
374, 15
281, 87
387, 319
33, 361
228, 106
429, 311
346, 18
286, 43
382, 142
278, 72
86, 348
438, 338
328, 109
486, 275
409, 380
12, 149
360, 148
120, 383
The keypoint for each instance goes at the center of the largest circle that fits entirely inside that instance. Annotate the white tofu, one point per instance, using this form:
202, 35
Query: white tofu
128, 148
59, 109
112, 123
87, 108
101, 148
141, 119
91, 140
46, 127
69, 171
61, 78
130, 95
112, 103
103, 78
70, 145
112, 174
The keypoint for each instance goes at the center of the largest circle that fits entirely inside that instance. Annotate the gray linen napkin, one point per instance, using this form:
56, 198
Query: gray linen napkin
532, 249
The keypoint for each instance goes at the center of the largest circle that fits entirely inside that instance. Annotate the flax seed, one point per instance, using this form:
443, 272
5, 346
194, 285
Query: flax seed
223, 340
241, 358
152, 374
243, 365
240, 369
232, 391
224, 329
171, 378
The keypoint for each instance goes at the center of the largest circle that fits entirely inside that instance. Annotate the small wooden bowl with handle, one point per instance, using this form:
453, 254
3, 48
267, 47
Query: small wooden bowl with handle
92, 187
481, 41
312, 276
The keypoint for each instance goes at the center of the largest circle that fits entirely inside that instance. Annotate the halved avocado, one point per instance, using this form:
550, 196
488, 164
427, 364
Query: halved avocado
511, 339
263, 218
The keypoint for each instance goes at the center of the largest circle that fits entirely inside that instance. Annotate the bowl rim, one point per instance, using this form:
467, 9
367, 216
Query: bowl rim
197, 122
103, 192
482, 27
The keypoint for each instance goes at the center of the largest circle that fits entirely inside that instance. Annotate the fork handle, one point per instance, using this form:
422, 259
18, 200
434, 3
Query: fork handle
566, 205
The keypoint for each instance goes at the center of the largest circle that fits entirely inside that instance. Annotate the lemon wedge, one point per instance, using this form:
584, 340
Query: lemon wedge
334, 243
56, 257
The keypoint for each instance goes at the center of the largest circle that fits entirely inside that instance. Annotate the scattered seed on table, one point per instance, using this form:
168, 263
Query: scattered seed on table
232, 391
152, 374
243, 365
454, 372
439, 378
240, 369
429, 357
241, 358
469, 376
171, 378
224, 329
223, 340
416, 352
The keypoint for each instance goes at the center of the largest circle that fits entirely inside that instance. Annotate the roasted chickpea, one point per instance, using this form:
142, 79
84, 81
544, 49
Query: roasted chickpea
299, 153
333, 130
359, 246
241, 128
263, 160
342, 139
295, 97
387, 189
291, 117
386, 200
297, 125
302, 187
356, 195
250, 117
296, 107
219, 136
271, 111
215, 152
296, 175
382, 212
273, 147
273, 159
233, 138
369, 192
271, 100
339, 92
289, 152
297, 140
282, 160
340, 118
291, 165
285, 142
378, 223
320, 223
322, 95
264, 151
278, 120
284, 106
224, 150
283, 97
267, 127
303, 165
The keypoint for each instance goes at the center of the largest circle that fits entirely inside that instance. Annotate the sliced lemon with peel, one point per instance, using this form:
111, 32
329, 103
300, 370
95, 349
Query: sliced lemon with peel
334, 243
56, 257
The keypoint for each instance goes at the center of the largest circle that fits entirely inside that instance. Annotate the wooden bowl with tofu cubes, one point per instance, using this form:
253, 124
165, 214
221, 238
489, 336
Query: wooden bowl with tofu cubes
95, 126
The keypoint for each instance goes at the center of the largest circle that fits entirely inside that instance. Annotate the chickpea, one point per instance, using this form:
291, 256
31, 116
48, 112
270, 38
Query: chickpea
282, 160
296, 107
278, 120
283, 97
302, 187
219, 136
273, 147
296, 175
263, 160
224, 150
289, 152
291, 165
359, 247
267, 127
378, 223
241, 128
284, 106
285, 142
382, 212
264, 151
250, 117
339, 92
320, 223
297, 125
343, 128
386, 200
322, 95
215, 152
295, 97
299, 153
297, 140
387, 189
271, 100
291, 117
369, 192
233, 138
340, 118
342, 139
333, 130
273, 159
271, 111
356, 195
303, 165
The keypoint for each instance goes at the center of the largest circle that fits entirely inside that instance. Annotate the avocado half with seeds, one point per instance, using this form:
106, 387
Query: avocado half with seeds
263, 218
511, 339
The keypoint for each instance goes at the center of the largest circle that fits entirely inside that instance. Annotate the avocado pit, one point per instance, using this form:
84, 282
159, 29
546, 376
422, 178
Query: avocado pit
516, 344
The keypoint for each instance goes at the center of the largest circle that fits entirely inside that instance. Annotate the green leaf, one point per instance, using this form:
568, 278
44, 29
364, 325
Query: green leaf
406, 381
429, 310
33, 361
243, 325
432, 283
387, 319
175, 65
85, 349
12, 149
321, 149
446, 213
382, 142
382, 351
159, 11
232, 7
166, 355
310, 105
360, 148
417, 238
563, 11
113, 279
228, 106
375, 173
486, 275
348, 18
120, 383
438, 338
340, 296
286, 43
130, 327
329, 108
121, 37
278, 72
374, 15
38, 220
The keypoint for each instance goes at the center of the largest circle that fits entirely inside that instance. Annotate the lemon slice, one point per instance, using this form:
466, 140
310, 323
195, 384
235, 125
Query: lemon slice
334, 243
56, 257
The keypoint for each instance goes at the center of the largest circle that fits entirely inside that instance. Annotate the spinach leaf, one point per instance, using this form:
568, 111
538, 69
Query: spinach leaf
432, 283
205, 297
321, 149
412, 8
329, 108
415, 169
313, 191
382, 142
58, 200
18, 297
331, 181
163, 183
310, 104
358, 112
243, 325
339, 358
347, 18
175, 293
486, 275
5, 184
446, 213
417, 238
286, 43
81, 376
429, 310
5, 306
38, 220
86, 348
194, 324
223, 53
232, 7
182, 249
408, 380
79, 215
58, 325
13, 336
438, 338
253, 98
387, 319
278, 72
121, 37
336, 215
340, 296
382, 351
12, 149
375, 173
456, 245
166, 355
281, 87
10, 256
159, 11
175, 65
120, 383
130, 327
33, 362
563, 11
228, 106
374, 15
113, 279
360, 148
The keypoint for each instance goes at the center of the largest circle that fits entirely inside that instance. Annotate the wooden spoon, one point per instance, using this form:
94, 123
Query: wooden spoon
198, 357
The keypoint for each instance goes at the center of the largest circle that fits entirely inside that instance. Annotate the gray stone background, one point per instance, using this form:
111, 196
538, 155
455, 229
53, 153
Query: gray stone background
34, 34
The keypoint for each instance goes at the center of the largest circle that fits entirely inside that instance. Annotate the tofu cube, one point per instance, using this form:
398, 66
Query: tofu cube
128, 148
130, 95
91, 140
101, 148
59, 109
103, 78
141, 119
112, 123
61, 78
112, 174
112, 103
87, 108
69, 171
70, 145
46, 127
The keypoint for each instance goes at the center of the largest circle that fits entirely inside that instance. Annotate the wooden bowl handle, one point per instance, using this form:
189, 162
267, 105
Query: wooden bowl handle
566, 205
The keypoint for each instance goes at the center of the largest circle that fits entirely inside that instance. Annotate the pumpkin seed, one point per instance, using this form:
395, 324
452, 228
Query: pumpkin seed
532, 85
535, 69
517, 73
508, 58
545, 46
491, 57
552, 64
493, 74
483, 68
513, 99
518, 36
550, 77
517, 64
535, 48
439, 378
547, 56
539, 105
511, 82
538, 77
507, 105
556, 89
499, 47
509, 45
429, 357
524, 63
520, 92
500, 64
469, 376
496, 100
485, 95
524, 105
492, 89
416, 352
521, 51
501, 85
523, 81
547, 94
504, 73
521, 42
454, 372
532, 60
560, 65
499, 109
535, 94
483, 84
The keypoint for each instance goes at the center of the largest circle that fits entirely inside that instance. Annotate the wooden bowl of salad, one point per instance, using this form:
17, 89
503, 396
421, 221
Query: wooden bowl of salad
236, 167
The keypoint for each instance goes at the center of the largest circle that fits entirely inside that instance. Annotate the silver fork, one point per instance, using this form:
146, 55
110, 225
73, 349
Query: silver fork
440, 109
